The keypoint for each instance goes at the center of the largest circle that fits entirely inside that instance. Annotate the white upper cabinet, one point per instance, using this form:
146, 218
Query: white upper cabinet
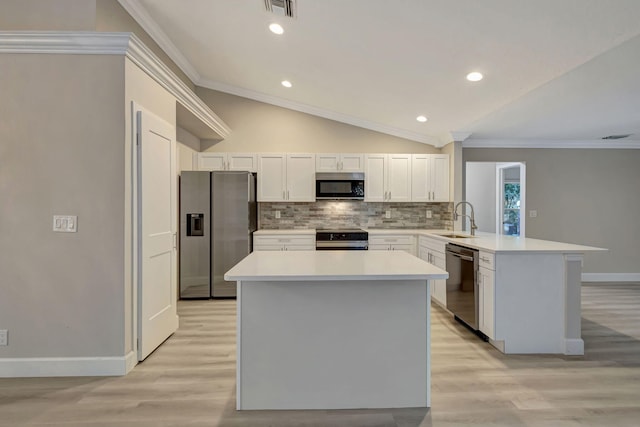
339, 162
227, 162
211, 161
286, 177
301, 177
272, 177
387, 177
375, 187
430, 178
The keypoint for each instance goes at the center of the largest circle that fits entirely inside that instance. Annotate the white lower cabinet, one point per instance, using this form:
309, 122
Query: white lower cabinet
284, 242
486, 301
389, 242
432, 251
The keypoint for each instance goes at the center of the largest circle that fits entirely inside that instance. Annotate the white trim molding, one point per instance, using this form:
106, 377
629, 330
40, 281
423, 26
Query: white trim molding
67, 366
611, 277
103, 43
142, 17
549, 143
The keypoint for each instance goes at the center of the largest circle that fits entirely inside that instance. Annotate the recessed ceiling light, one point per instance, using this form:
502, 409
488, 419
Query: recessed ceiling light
286, 83
421, 119
474, 77
276, 28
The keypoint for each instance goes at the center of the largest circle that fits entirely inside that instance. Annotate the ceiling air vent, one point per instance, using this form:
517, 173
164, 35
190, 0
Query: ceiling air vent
281, 7
617, 136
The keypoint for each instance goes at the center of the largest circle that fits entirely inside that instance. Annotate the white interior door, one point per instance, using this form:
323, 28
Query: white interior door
157, 202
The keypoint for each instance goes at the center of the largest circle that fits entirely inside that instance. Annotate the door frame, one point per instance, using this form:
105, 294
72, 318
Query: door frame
500, 181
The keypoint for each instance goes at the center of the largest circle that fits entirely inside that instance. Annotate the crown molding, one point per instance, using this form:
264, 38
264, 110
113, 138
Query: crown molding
142, 17
142, 56
551, 143
460, 136
315, 111
103, 43
64, 42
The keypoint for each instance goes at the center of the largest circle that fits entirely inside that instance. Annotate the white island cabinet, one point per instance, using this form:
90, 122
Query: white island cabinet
528, 292
333, 330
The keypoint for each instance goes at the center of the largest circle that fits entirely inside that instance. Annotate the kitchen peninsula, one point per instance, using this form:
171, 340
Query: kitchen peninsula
333, 329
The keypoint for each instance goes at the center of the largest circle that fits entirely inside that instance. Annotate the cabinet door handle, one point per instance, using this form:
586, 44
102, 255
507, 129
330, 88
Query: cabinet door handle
287, 194
284, 195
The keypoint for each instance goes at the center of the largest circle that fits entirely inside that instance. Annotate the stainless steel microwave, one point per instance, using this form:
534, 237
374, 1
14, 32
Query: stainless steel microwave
339, 186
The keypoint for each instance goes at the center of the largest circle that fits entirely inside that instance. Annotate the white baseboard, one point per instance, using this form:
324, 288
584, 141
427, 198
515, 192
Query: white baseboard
611, 277
67, 366
573, 346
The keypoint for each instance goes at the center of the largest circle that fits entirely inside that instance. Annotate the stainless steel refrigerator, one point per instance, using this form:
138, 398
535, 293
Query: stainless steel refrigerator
218, 215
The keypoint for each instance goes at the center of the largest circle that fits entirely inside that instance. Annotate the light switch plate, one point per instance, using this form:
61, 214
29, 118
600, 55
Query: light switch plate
533, 214
277, 214
429, 214
387, 214
4, 337
65, 223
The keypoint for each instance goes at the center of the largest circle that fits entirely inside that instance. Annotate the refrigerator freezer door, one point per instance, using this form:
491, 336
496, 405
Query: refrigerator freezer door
195, 234
231, 238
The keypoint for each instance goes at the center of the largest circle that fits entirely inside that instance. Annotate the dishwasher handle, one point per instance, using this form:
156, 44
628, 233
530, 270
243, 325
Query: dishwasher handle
462, 257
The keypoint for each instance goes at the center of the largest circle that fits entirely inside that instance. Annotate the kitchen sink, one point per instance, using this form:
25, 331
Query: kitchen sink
457, 236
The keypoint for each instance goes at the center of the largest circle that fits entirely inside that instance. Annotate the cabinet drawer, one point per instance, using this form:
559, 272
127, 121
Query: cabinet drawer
487, 260
285, 239
432, 244
389, 239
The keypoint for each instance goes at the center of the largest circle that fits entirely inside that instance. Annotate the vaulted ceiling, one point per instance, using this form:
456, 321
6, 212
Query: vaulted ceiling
555, 71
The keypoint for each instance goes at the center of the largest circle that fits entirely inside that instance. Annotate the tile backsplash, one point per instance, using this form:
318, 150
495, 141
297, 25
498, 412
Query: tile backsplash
346, 214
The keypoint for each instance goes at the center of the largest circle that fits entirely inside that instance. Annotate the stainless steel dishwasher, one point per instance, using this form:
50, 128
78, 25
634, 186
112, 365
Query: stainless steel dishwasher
462, 284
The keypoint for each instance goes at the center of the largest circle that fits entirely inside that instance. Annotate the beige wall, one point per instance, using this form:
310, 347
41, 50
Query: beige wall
50, 15
261, 127
587, 197
188, 145
61, 152
79, 15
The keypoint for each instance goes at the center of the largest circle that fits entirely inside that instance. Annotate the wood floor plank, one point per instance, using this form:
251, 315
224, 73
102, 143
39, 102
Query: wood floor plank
190, 380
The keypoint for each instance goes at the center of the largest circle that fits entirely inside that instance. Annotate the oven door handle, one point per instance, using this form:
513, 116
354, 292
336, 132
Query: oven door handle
462, 257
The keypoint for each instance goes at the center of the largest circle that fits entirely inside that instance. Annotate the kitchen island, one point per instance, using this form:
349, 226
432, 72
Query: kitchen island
333, 330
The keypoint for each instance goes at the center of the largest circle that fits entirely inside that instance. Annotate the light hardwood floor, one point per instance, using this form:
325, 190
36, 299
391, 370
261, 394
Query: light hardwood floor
190, 380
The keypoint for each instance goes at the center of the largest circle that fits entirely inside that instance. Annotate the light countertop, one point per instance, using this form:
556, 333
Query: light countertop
304, 231
500, 243
489, 242
333, 265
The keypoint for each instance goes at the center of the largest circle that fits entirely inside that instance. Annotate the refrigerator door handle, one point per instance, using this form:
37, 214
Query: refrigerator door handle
175, 240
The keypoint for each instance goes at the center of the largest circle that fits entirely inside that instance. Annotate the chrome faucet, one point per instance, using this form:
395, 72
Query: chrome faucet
474, 227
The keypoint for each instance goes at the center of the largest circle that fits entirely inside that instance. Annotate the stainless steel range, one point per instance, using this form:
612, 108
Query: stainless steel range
342, 239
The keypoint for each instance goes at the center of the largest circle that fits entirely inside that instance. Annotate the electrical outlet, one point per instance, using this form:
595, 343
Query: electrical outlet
65, 223
277, 214
533, 214
4, 337
429, 214
387, 214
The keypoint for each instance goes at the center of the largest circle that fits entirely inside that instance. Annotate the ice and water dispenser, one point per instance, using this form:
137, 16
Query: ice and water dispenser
195, 224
